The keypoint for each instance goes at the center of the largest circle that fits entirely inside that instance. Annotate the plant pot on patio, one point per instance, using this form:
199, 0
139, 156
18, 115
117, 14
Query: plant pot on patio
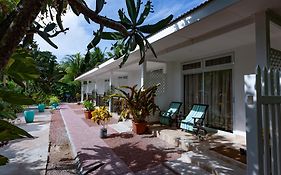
88, 114
41, 107
103, 132
101, 116
139, 104
89, 106
139, 128
29, 116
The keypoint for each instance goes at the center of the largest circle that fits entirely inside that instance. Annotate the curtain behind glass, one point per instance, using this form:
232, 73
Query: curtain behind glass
192, 90
218, 95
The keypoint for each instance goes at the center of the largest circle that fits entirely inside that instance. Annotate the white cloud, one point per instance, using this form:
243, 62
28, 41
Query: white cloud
75, 40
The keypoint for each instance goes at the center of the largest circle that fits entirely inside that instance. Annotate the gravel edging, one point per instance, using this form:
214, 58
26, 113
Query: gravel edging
60, 159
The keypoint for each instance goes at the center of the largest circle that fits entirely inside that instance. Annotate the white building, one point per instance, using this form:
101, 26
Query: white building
202, 58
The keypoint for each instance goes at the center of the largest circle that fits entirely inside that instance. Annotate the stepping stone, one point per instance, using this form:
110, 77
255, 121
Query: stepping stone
211, 163
181, 167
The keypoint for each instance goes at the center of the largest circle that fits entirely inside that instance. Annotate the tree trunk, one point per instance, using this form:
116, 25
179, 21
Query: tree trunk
27, 11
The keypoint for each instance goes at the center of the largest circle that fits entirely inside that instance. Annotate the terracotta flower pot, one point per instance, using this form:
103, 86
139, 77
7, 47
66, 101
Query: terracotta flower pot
139, 128
88, 114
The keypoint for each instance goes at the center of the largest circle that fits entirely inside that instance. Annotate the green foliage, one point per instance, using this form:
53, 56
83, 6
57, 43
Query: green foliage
138, 102
136, 28
10, 132
54, 99
3, 160
50, 73
88, 105
101, 115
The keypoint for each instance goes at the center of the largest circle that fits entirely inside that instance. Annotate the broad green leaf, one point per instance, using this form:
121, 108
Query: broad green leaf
124, 20
46, 38
15, 98
9, 131
59, 13
99, 5
87, 19
131, 7
149, 46
139, 41
7, 115
96, 39
156, 27
145, 12
50, 27
138, 6
124, 59
22, 69
112, 35
133, 43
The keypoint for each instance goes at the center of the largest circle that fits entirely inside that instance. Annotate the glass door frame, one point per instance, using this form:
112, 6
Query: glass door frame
203, 69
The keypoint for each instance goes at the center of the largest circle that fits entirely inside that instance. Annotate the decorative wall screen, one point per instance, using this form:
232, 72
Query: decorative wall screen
155, 77
275, 59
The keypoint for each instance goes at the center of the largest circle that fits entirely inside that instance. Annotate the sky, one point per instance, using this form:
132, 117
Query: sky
81, 33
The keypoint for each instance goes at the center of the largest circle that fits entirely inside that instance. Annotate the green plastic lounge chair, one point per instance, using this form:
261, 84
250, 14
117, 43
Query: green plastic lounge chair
194, 120
166, 118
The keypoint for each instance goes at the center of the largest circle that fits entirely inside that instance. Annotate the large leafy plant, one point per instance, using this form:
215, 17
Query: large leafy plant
137, 31
101, 116
139, 103
19, 69
88, 105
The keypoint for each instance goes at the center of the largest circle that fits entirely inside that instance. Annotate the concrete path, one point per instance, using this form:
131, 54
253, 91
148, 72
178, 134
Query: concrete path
28, 156
89, 148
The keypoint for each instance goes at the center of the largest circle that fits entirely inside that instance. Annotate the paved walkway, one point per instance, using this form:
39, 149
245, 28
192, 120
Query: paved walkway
89, 148
28, 156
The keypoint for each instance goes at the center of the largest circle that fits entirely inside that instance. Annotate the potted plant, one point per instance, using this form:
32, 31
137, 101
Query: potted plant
41, 107
29, 116
54, 101
101, 116
89, 108
139, 103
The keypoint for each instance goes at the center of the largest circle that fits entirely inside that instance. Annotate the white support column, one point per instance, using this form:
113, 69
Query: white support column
253, 126
110, 85
262, 39
87, 90
82, 91
143, 74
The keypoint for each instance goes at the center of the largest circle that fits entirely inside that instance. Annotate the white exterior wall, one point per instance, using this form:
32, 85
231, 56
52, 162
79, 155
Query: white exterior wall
134, 78
244, 63
100, 86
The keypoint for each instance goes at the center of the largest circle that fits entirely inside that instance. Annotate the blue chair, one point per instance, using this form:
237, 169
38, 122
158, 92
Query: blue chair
194, 120
166, 118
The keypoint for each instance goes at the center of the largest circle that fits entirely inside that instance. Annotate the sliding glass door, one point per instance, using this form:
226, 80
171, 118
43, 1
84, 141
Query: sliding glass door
215, 89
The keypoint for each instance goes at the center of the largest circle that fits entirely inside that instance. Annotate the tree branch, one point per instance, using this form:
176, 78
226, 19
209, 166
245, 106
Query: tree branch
99, 19
27, 13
